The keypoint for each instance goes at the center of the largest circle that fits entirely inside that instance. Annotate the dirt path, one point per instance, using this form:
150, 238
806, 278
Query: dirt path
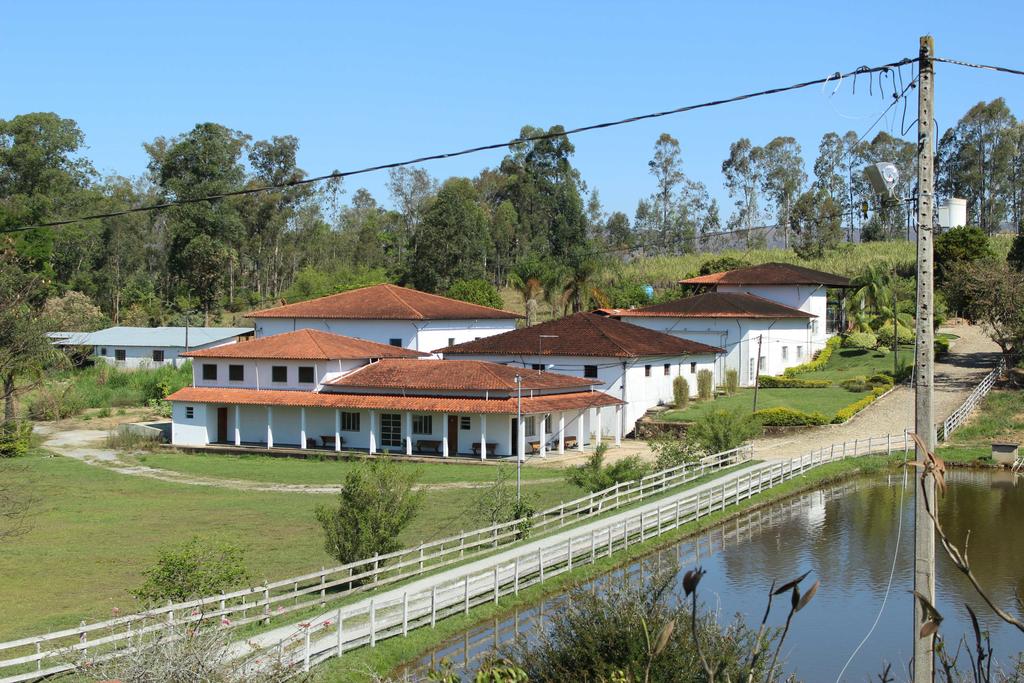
971, 357
86, 445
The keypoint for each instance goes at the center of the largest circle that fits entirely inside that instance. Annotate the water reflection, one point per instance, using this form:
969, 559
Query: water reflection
847, 534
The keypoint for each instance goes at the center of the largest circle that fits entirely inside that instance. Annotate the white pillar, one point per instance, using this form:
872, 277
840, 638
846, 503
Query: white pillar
483, 436
270, 426
561, 432
444, 435
337, 429
618, 425
373, 432
238, 425
543, 435
581, 430
521, 446
408, 433
302, 427
595, 424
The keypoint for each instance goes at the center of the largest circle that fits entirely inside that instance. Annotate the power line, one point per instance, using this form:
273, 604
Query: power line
336, 175
1002, 69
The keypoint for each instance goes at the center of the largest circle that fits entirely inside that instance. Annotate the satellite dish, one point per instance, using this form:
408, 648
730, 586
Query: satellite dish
883, 178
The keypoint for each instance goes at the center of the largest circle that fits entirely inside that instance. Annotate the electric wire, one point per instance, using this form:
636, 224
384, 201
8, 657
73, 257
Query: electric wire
987, 67
336, 175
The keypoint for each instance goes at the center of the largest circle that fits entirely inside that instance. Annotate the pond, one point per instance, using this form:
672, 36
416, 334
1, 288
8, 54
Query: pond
847, 535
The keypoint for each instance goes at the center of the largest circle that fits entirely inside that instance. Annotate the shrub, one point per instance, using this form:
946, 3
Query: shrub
788, 417
681, 392
705, 384
194, 569
820, 360
904, 336
722, 430
941, 346
769, 382
672, 452
15, 438
881, 379
479, 292
159, 406
732, 381
594, 475
376, 502
855, 384
860, 340
498, 504
55, 403
849, 411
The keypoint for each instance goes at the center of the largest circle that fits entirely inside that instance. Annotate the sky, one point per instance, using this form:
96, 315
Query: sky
366, 83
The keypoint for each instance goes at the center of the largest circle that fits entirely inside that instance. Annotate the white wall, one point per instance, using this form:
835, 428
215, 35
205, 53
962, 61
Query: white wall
259, 373
194, 431
811, 299
419, 335
141, 357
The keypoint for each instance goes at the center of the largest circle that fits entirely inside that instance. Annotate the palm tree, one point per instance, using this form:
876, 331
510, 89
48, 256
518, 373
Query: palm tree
872, 291
527, 277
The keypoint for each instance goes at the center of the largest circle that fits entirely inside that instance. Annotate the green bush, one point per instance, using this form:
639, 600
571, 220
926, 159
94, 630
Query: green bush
770, 382
192, 570
855, 384
681, 392
849, 411
593, 475
672, 452
103, 386
732, 381
705, 384
479, 292
941, 346
860, 340
881, 379
820, 360
904, 335
788, 417
722, 430
15, 438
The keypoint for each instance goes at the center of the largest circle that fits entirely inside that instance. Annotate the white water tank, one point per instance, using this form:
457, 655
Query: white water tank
952, 213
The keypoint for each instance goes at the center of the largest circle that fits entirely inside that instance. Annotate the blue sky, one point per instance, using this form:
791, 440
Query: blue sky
366, 83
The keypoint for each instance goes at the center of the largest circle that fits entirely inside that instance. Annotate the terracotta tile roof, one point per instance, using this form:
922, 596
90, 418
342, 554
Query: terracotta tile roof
306, 344
770, 274
454, 375
576, 400
582, 334
386, 302
716, 305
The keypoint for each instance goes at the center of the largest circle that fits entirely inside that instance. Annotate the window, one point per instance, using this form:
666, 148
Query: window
190, 412
236, 373
395, 342
306, 375
799, 352
752, 370
590, 371
451, 341
120, 355
279, 373
647, 371
209, 371
158, 355
464, 422
785, 353
390, 429
668, 369
539, 366
547, 424
693, 368
763, 367
531, 426
814, 326
350, 422
423, 424
103, 351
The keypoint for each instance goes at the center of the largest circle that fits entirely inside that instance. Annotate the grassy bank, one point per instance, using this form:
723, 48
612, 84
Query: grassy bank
393, 653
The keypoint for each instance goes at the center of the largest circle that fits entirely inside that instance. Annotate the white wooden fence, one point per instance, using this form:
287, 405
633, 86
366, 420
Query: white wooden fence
260, 603
960, 415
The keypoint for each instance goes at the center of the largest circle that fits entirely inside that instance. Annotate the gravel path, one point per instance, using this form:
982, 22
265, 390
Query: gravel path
971, 357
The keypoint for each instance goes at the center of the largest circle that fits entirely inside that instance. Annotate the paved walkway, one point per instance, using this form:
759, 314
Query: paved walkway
972, 356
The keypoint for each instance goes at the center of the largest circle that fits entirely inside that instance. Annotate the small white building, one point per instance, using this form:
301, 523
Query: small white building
794, 286
631, 363
389, 314
743, 324
150, 347
312, 389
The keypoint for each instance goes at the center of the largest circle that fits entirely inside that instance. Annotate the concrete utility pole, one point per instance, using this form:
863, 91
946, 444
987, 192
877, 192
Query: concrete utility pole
924, 531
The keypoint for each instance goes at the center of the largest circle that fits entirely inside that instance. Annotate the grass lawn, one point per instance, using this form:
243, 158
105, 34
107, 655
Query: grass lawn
92, 532
1000, 417
327, 472
847, 363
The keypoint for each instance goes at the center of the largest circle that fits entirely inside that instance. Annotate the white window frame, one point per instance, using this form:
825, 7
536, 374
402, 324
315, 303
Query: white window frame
465, 423
423, 425
785, 353
531, 426
391, 430
190, 412
799, 352
349, 422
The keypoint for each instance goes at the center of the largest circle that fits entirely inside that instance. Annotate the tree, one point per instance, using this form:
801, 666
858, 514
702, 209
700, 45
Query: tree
478, 291
992, 292
451, 243
888, 219
961, 244
594, 475
816, 224
528, 278
1016, 255
411, 188
195, 569
828, 176
721, 430
617, 231
783, 178
743, 178
670, 216
72, 312
377, 500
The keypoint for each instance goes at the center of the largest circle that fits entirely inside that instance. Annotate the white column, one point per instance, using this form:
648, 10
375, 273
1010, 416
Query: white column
238, 425
543, 435
302, 427
561, 432
373, 432
521, 446
595, 424
483, 436
581, 430
337, 429
408, 433
270, 426
444, 435
618, 425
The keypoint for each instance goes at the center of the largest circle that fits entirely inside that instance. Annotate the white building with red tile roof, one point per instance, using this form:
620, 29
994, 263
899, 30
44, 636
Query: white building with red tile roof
315, 389
389, 314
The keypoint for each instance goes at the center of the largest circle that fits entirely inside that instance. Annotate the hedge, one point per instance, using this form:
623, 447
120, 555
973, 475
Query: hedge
860, 340
941, 346
788, 417
770, 382
819, 361
849, 411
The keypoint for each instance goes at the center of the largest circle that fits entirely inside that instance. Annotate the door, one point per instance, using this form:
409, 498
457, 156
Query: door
515, 437
453, 434
222, 425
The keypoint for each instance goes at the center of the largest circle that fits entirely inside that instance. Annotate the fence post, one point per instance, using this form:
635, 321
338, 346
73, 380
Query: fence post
405, 613
515, 579
568, 554
675, 523
462, 544
376, 566
540, 563
373, 624
341, 637
465, 590
433, 606
323, 586
495, 584
305, 650
421, 557
642, 539
611, 540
